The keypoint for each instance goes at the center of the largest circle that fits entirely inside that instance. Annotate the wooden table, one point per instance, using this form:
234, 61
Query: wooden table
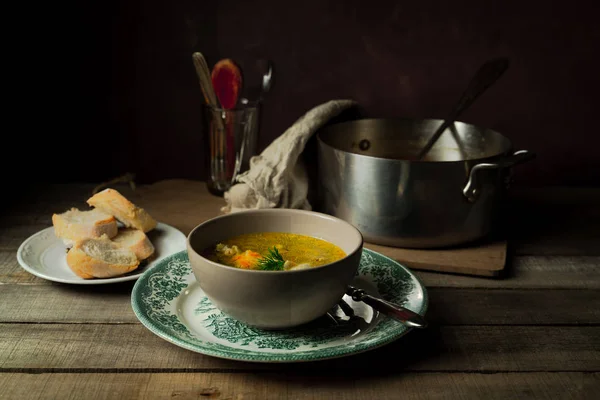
532, 334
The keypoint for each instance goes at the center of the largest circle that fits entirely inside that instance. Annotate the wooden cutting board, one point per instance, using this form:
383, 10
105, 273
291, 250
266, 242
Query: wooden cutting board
186, 203
486, 259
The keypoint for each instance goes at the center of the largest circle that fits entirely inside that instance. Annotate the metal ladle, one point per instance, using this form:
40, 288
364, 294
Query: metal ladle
487, 74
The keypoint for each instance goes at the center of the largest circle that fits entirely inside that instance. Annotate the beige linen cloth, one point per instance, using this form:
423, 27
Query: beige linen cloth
277, 178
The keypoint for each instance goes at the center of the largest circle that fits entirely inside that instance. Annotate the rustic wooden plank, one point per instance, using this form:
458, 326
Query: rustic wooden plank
565, 237
534, 226
132, 348
541, 218
265, 386
79, 304
12, 272
60, 303
555, 221
193, 204
11, 237
519, 307
542, 272
487, 259
525, 272
542, 221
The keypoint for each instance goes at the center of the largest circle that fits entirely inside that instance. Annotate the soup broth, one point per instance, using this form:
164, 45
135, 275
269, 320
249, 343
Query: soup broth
274, 251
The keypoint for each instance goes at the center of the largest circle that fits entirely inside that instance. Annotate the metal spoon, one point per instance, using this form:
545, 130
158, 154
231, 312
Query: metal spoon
487, 74
267, 82
404, 315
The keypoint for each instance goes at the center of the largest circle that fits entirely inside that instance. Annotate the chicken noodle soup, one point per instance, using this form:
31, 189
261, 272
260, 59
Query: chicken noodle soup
274, 251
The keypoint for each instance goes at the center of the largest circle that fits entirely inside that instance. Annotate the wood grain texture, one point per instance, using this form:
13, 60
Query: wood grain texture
11, 237
544, 272
560, 272
58, 303
533, 333
131, 348
447, 306
487, 259
266, 386
192, 205
546, 221
555, 221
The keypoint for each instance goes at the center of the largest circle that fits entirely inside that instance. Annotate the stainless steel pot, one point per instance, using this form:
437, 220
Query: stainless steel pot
369, 176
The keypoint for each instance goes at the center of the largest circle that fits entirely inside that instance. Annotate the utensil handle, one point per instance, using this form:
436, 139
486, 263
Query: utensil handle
206, 86
485, 76
471, 189
395, 311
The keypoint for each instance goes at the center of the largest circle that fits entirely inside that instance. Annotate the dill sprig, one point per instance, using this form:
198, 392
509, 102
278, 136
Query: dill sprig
273, 261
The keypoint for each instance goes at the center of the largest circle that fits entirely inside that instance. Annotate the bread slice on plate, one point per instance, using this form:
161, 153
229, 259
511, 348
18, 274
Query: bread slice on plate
136, 241
100, 258
73, 225
114, 203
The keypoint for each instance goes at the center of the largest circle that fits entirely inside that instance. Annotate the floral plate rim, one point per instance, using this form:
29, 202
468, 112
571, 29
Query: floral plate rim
394, 330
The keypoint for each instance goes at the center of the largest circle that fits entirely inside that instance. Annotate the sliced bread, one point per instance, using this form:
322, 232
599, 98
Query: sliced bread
136, 241
100, 258
114, 203
73, 225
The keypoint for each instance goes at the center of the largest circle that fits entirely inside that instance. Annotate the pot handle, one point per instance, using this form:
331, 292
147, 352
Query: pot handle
471, 189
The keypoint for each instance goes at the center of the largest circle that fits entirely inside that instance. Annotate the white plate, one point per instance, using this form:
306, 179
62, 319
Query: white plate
45, 256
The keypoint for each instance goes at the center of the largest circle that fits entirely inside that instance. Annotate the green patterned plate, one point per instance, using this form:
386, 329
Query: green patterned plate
170, 303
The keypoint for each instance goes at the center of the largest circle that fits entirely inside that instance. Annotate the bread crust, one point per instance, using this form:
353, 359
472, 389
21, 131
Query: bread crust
114, 203
71, 230
88, 267
142, 247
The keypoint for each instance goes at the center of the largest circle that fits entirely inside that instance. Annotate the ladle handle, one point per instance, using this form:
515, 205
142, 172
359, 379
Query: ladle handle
487, 74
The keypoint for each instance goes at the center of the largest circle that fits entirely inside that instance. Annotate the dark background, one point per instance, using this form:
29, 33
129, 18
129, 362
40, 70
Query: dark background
98, 89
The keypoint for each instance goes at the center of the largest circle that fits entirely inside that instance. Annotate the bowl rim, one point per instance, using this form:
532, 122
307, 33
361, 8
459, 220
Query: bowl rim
274, 211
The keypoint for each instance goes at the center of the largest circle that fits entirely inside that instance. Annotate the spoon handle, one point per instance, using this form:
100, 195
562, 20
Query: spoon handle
395, 311
203, 73
487, 74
